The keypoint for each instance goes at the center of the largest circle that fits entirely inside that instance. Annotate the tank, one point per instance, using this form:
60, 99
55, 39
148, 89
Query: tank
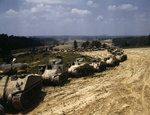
121, 57
118, 55
111, 61
54, 72
80, 68
18, 88
98, 64
111, 49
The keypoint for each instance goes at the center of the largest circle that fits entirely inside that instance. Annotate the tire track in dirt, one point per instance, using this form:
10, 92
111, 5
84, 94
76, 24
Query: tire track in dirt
145, 83
123, 90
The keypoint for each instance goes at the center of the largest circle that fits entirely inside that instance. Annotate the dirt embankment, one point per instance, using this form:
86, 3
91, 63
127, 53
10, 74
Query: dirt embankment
119, 91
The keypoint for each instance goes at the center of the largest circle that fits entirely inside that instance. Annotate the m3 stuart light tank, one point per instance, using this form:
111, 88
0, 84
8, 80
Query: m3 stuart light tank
54, 72
80, 68
18, 88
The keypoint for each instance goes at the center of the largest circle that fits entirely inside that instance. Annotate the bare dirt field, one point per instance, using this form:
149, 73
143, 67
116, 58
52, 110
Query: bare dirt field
123, 90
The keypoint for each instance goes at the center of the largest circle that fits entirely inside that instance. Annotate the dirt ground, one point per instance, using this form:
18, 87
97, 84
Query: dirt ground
123, 90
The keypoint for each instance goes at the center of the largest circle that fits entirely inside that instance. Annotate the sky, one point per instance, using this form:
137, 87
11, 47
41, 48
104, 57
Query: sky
75, 17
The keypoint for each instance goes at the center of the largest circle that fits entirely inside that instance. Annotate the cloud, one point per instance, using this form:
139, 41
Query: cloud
11, 12
16, 14
49, 1
40, 8
91, 3
100, 18
78, 20
127, 7
38, 11
80, 12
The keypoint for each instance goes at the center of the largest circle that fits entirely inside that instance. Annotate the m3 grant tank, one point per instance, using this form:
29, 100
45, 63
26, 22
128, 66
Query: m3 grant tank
18, 88
54, 72
80, 68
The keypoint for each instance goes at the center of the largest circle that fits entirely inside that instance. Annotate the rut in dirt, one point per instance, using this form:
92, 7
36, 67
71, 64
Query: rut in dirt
124, 89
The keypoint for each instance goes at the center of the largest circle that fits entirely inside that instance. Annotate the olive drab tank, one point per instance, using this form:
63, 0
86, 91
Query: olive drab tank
121, 57
80, 68
18, 88
54, 72
98, 64
111, 61
119, 54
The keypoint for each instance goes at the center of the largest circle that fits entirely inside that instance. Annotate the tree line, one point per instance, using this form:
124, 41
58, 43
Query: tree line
17, 42
132, 41
8, 43
87, 44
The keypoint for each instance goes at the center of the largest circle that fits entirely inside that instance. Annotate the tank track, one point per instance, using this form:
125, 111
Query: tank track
24, 100
84, 72
2, 111
58, 80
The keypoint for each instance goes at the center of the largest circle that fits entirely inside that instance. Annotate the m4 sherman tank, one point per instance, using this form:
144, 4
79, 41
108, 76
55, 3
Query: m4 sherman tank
54, 72
98, 64
80, 68
18, 89
111, 61
121, 57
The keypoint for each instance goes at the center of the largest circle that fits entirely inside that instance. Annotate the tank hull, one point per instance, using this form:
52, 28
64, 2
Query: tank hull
49, 77
19, 93
81, 70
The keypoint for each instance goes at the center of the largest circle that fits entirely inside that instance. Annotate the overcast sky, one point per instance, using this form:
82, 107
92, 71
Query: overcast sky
75, 17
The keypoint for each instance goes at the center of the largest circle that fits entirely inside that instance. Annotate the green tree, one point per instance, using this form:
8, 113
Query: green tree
96, 44
85, 44
75, 44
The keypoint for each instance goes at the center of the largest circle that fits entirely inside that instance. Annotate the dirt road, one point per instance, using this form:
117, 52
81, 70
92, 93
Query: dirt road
123, 90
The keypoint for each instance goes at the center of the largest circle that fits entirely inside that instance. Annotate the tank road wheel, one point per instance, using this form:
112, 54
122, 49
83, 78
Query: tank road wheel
92, 72
64, 77
83, 73
79, 73
61, 79
2, 111
16, 101
89, 72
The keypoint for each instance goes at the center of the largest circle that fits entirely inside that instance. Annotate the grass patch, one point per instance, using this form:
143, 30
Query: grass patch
42, 58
